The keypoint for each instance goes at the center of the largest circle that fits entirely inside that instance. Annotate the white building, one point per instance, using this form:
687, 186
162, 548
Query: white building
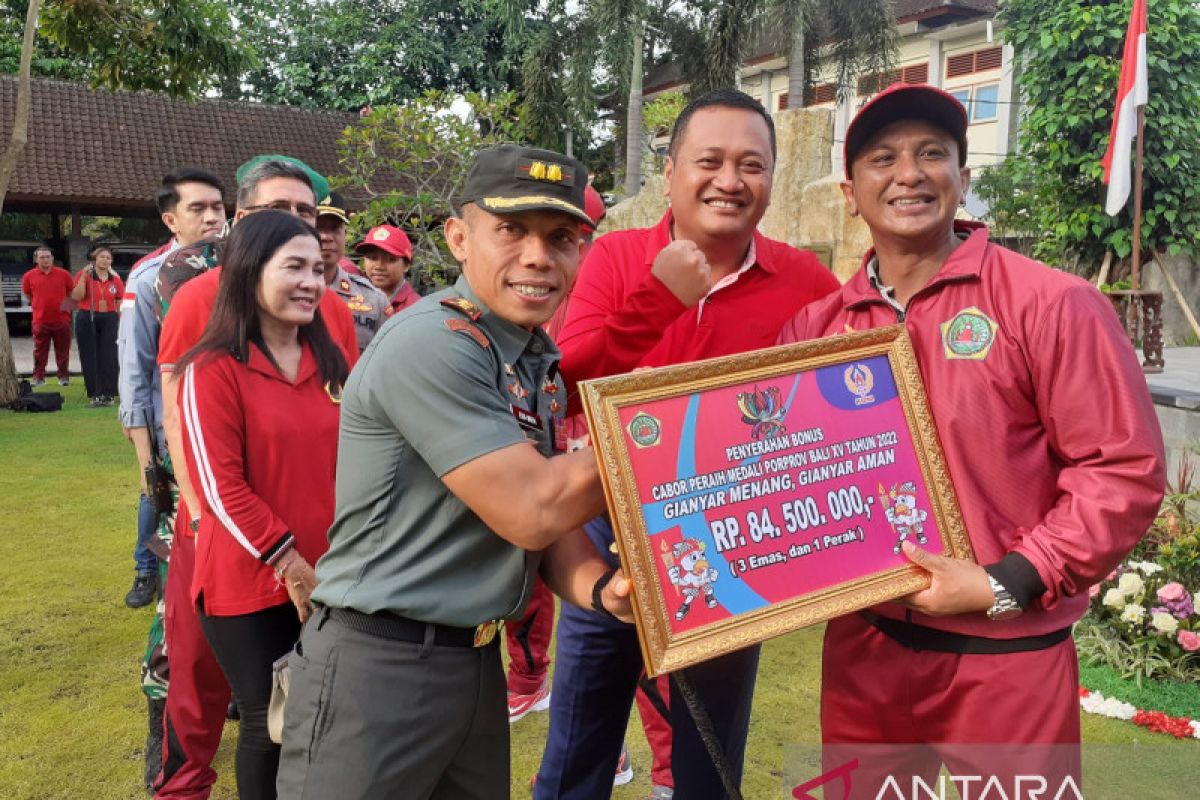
951, 44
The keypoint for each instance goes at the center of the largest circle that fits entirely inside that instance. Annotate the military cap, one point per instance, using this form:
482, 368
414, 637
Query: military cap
320, 186
334, 206
512, 178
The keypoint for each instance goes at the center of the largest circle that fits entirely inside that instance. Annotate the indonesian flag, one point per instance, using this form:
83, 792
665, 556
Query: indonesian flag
1130, 95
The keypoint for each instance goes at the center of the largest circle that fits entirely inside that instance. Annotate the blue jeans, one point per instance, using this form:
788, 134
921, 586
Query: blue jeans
596, 667
145, 562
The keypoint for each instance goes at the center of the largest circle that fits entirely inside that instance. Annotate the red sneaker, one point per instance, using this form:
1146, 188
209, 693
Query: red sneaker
521, 704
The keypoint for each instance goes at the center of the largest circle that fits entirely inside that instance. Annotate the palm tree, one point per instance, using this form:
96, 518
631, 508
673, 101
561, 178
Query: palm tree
861, 36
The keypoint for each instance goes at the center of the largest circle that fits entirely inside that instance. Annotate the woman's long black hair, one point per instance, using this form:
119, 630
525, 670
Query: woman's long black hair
233, 326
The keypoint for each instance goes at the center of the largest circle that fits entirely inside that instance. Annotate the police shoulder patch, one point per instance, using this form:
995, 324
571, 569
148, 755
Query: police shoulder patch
968, 335
462, 326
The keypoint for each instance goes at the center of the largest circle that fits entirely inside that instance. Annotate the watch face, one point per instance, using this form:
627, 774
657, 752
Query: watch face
1001, 613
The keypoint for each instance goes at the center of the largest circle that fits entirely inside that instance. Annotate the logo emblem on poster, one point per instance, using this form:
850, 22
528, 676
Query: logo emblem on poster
860, 381
644, 429
763, 409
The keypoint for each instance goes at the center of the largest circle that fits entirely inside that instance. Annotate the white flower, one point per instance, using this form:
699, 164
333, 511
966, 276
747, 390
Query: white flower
1130, 583
1146, 567
1195, 597
1096, 703
1164, 622
1134, 614
1114, 598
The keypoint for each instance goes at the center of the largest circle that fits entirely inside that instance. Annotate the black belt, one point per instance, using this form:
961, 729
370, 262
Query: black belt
918, 637
403, 629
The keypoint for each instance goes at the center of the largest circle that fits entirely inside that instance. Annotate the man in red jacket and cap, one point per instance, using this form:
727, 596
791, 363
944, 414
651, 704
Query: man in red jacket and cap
1054, 450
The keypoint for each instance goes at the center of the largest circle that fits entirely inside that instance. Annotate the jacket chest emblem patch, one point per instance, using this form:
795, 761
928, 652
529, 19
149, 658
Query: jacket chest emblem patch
969, 335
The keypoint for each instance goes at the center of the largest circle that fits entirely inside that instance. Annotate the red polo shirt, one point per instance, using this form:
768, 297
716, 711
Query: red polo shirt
188, 316
263, 453
404, 297
101, 295
621, 317
47, 294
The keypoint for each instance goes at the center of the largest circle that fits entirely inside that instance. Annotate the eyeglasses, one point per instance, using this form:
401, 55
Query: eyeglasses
302, 210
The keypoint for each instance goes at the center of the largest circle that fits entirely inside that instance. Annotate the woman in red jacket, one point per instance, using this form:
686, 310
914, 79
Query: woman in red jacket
259, 400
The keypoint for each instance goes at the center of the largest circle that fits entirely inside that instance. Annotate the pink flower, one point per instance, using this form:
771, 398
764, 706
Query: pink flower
1173, 592
1189, 640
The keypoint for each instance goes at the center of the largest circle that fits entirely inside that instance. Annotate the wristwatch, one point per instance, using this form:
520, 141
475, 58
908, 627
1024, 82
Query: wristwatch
597, 601
1006, 606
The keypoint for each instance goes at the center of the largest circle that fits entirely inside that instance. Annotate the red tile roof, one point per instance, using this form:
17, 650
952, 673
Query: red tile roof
109, 150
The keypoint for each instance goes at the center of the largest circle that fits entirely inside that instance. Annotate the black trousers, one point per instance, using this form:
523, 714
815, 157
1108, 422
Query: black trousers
96, 333
246, 646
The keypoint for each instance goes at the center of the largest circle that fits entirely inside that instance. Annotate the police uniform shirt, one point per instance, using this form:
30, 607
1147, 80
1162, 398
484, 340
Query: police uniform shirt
367, 304
401, 542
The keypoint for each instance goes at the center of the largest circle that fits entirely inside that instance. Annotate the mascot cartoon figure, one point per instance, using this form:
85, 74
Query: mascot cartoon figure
692, 574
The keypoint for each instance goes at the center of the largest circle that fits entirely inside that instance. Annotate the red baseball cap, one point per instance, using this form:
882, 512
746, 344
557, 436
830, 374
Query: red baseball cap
389, 239
907, 101
593, 206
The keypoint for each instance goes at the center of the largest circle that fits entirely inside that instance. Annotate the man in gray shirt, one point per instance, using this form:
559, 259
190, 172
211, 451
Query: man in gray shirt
448, 500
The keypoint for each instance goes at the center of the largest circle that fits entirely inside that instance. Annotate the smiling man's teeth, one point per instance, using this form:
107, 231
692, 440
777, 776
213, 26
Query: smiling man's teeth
531, 291
723, 203
908, 201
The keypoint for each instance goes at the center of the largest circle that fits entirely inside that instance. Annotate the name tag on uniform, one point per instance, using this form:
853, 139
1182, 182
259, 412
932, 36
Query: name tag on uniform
527, 419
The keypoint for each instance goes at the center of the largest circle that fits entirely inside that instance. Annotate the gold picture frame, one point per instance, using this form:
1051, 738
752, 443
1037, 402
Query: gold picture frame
632, 416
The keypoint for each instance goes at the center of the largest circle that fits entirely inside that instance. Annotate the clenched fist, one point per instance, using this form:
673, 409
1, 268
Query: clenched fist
683, 269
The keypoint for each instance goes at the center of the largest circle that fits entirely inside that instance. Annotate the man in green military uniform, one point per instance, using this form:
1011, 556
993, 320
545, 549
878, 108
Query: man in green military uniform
453, 487
367, 304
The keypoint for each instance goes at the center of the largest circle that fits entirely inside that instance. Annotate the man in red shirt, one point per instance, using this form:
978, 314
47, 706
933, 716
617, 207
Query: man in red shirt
199, 695
1054, 450
47, 288
701, 283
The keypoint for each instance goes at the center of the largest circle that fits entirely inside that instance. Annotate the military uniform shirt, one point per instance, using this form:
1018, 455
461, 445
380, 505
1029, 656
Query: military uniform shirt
433, 391
367, 305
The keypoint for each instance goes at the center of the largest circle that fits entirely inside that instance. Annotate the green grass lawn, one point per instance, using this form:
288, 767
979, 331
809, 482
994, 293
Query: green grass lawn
72, 716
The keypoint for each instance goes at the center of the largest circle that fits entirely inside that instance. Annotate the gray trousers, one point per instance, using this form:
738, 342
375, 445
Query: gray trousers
373, 718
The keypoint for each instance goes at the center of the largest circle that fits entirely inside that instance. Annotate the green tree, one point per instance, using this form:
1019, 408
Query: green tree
8, 165
348, 54
856, 37
181, 48
1071, 53
410, 159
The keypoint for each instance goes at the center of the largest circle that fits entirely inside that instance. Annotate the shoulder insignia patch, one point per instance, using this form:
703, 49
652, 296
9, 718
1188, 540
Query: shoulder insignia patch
463, 305
462, 326
344, 285
968, 335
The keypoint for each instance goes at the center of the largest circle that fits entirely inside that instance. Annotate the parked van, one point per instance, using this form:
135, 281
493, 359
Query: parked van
16, 258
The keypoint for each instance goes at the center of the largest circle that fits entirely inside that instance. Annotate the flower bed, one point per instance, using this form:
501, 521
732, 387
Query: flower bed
1157, 721
1139, 643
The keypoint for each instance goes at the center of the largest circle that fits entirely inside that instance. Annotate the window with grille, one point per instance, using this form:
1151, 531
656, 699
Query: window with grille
823, 93
976, 61
913, 73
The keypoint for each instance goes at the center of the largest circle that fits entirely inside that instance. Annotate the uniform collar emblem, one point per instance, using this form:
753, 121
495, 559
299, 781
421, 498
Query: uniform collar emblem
517, 390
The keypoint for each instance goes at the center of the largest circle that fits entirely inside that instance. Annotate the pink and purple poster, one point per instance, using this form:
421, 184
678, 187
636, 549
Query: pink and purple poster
760, 492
